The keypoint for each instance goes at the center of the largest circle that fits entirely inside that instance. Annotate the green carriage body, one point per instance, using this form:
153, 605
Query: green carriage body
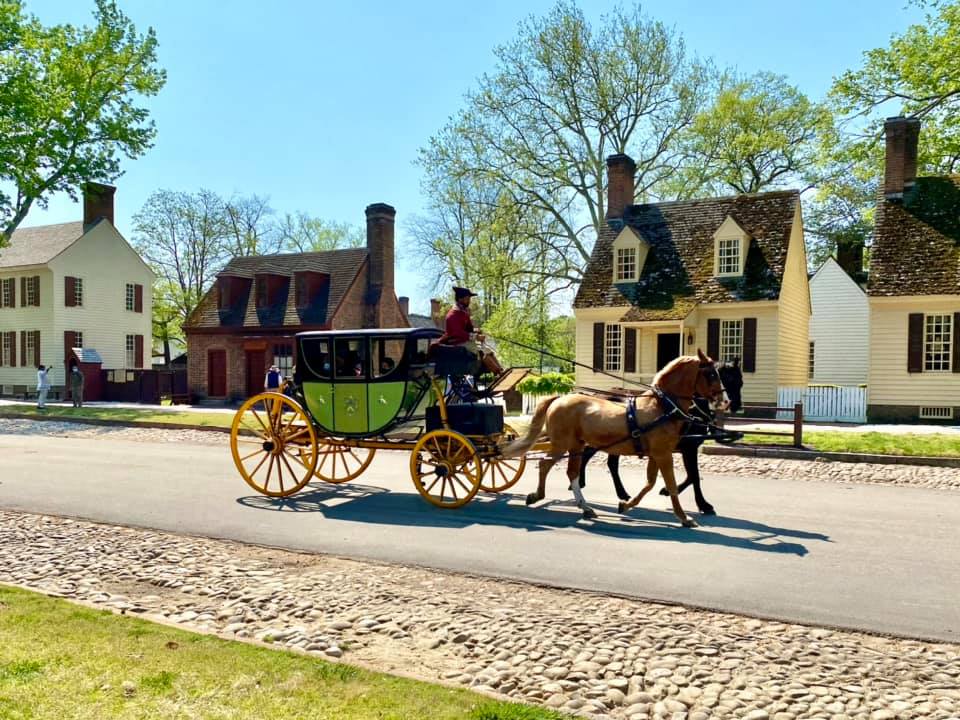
362, 383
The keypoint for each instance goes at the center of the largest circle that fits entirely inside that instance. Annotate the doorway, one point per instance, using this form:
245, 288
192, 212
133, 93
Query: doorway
668, 348
256, 370
217, 373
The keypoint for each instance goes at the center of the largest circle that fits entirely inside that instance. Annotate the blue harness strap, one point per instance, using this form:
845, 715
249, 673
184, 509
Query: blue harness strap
636, 430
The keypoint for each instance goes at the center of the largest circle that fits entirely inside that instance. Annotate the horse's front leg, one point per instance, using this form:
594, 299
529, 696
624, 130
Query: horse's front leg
665, 461
588, 453
613, 464
651, 481
573, 472
544, 467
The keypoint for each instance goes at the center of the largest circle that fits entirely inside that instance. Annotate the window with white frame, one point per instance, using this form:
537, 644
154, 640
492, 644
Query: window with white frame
6, 288
613, 348
810, 360
131, 295
31, 346
33, 290
7, 349
728, 256
78, 292
283, 359
937, 342
626, 263
731, 340
131, 351
77, 338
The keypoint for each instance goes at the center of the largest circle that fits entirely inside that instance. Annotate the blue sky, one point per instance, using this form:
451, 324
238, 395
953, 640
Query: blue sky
322, 106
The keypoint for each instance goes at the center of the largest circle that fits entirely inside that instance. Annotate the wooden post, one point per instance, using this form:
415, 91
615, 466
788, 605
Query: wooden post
798, 425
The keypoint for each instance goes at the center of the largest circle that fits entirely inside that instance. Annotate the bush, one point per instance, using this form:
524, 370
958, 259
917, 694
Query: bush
551, 383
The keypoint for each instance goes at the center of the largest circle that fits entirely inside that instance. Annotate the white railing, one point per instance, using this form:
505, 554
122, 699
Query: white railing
530, 402
827, 403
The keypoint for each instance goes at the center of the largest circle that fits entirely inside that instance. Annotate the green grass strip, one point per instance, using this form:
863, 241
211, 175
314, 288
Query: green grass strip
59, 660
127, 415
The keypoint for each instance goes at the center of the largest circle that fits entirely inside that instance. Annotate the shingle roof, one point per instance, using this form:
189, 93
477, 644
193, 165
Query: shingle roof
341, 265
421, 321
916, 246
39, 245
678, 272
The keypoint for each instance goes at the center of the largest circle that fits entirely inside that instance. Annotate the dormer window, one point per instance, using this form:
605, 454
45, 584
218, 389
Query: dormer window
730, 244
629, 255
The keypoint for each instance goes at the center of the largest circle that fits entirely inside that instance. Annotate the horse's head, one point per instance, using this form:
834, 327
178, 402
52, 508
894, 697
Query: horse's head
732, 378
708, 383
689, 377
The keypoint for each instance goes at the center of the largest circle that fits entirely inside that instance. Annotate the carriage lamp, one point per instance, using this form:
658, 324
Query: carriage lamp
689, 337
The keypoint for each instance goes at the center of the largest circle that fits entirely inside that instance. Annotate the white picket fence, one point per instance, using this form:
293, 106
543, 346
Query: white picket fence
530, 402
826, 403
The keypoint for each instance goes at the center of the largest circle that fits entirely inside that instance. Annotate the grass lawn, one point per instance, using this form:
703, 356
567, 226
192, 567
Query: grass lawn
59, 660
874, 443
130, 415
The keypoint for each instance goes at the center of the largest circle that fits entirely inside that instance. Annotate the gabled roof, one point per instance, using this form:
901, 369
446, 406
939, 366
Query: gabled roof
916, 246
341, 265
678, 272
39, 245
421, 321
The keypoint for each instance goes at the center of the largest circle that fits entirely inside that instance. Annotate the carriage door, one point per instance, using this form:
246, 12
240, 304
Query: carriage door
668, 348
351, 362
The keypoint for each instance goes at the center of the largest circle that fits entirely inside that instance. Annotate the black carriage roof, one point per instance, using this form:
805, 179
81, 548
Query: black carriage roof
375, 332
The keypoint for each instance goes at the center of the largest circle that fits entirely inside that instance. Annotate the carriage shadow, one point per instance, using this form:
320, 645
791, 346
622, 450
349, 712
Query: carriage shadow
375, 505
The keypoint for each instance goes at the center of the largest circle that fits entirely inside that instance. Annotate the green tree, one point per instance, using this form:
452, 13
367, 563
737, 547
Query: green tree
250, 226
759, 133
301, 232
68, 104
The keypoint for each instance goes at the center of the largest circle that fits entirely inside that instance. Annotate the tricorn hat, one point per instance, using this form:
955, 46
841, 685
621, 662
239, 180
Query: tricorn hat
459, 292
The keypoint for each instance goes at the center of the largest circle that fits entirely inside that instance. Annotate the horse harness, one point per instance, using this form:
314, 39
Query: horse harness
637, 431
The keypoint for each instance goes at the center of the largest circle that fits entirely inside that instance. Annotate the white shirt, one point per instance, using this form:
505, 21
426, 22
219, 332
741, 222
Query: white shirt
42, 381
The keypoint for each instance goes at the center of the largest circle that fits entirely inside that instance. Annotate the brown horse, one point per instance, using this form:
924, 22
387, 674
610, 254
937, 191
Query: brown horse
573, 422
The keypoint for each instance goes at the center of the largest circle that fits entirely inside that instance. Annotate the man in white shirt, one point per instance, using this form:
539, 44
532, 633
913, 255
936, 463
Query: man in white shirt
43, 386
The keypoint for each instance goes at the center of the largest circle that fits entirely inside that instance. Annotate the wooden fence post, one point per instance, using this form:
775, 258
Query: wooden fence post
798, 425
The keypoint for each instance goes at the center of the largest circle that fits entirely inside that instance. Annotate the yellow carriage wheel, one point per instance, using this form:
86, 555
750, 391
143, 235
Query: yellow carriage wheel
274, 444
445, 468
341, 463
499, 473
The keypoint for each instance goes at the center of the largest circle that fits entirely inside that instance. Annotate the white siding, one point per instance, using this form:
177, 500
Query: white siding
584, 344
839, 327
890, 383
30, 318
106, 263
794, 312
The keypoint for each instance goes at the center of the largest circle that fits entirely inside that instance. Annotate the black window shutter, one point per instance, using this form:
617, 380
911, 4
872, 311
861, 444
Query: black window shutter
630, 351
138, 350
598, 346
955, 339
713, 339
915, 343
13, 349
138, 298
749, 345
23, 291
69, 291
36, 348
36, 290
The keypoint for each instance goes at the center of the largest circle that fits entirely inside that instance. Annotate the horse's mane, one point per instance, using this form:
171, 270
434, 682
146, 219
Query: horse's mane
670, 366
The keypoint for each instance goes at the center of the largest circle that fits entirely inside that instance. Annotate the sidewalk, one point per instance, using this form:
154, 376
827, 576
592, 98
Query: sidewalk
125, 406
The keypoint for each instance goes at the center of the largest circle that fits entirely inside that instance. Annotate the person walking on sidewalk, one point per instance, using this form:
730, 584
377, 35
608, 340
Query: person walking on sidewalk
43, 386
76, 386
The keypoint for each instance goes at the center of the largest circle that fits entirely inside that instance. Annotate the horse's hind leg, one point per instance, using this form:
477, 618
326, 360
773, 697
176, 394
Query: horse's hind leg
573, 471
651, 481
544, 467
691, 465
613, 464
665, 461
588, 453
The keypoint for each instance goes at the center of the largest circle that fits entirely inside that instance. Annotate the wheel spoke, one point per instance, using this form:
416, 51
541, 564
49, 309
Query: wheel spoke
298, 433
247, 457
443, 487
283, 456
259, 464
280, 473
463, 486
269, 470
305, 461
265, 428
453, 489
436, 479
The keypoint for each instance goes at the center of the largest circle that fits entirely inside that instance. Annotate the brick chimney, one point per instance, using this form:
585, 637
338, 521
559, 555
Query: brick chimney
436, 312
901, 163
404, 305
97, 202
380, 217
620, 172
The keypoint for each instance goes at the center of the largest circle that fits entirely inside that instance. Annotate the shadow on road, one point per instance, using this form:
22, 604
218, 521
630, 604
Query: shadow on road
375, 505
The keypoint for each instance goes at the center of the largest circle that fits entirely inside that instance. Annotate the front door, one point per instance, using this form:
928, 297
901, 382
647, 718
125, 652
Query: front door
256, 372
217, 373
668, 348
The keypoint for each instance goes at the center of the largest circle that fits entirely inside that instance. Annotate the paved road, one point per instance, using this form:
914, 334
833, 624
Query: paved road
869, 557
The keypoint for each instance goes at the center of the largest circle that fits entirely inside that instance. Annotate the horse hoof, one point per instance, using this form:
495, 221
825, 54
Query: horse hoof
531, 498
589, 514
708, 510
690, 523
664, 492
623, 498
621, 507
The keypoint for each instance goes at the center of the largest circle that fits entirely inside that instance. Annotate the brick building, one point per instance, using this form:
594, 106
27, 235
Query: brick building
248, 319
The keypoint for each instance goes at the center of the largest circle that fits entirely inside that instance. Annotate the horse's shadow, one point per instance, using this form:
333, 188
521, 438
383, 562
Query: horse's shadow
375, 505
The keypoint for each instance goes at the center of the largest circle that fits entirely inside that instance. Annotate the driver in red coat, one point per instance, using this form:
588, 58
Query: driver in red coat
459, 330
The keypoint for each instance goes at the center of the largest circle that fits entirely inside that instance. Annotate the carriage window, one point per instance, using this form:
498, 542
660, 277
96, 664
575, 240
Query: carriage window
386, 353
315, 355
421, 354
351, 358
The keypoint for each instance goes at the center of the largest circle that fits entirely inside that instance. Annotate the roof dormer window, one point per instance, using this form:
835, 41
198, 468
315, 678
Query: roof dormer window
629, 255
730, 244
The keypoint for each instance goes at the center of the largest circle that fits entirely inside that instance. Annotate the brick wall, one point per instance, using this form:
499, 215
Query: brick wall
197, 362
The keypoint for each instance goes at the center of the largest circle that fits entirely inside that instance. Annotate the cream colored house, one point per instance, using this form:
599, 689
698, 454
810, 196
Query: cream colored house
727, 275
72, 285
839, 327
914, 288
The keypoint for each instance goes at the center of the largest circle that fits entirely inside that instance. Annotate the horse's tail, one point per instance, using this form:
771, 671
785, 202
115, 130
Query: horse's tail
521, 445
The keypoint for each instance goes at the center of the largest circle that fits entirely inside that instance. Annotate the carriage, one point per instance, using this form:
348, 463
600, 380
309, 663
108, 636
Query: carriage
355, 392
